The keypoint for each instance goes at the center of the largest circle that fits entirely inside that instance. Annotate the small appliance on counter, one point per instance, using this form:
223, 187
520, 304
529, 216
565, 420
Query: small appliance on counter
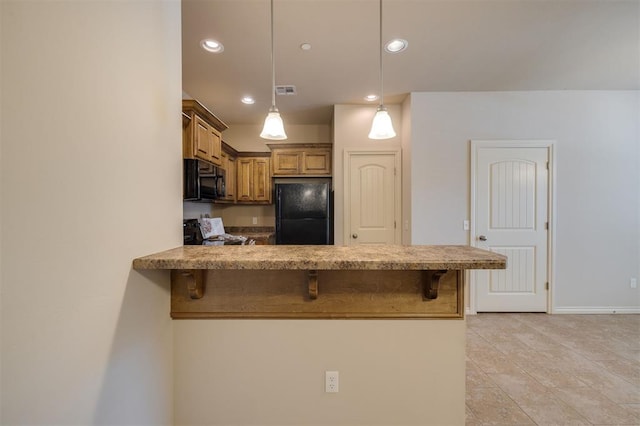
210, 232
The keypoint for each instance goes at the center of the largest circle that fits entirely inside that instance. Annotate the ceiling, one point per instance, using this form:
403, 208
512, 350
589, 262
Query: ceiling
454, 45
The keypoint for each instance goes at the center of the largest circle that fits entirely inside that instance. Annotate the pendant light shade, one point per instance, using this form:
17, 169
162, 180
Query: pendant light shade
273, 126
382, 127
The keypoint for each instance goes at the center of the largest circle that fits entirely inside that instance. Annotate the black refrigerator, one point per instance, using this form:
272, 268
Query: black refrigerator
304, 212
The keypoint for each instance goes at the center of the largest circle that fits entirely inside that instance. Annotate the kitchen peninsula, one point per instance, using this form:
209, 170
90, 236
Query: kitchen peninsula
366, 281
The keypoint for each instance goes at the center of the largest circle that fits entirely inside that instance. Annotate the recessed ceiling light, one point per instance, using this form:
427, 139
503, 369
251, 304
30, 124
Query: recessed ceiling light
248, 100
211, 45
396, 45
305, 46
371, 98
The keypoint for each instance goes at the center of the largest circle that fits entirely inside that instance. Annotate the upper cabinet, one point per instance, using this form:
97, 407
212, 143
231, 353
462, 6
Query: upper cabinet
293, 159
253, 184
229, 166
202, 133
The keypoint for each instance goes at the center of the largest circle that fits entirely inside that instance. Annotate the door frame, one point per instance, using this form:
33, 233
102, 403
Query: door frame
474, 145
346, 189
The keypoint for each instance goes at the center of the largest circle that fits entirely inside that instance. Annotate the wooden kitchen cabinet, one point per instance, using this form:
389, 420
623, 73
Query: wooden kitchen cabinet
316, 161
301, 159
253, 184
229, 164
202, 134
228, 159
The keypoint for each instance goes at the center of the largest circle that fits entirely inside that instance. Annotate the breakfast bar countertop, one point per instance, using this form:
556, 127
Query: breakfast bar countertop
292, 257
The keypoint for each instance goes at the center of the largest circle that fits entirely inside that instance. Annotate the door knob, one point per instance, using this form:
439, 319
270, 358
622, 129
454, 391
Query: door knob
354, 236
482, 238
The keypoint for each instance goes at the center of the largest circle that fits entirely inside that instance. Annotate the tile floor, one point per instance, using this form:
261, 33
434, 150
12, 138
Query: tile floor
539, 369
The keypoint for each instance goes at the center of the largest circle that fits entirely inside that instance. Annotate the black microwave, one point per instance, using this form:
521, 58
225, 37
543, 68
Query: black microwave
203, 181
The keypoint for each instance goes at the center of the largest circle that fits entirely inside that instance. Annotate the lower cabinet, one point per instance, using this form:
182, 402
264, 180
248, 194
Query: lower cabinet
253, 183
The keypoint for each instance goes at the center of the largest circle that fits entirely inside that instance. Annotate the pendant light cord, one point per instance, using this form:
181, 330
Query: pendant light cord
380, 46
273, 66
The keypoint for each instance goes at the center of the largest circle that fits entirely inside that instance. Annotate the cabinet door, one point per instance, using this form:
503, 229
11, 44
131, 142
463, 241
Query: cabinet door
216, 146
316, 162
231, 179
201, 139
286, 162
261, 180
244, 179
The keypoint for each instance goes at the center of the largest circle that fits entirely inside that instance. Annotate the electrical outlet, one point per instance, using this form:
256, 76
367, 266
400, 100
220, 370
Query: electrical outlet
465, 225
254, 220
633, 283
331, 381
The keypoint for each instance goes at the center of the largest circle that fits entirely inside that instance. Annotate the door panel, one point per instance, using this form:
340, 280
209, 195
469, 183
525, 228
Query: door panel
511, 187
244, 179
520, 275
372, 198
261, 180
512, 195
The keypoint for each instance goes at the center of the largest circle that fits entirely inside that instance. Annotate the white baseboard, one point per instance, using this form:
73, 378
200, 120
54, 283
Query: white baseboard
596, 310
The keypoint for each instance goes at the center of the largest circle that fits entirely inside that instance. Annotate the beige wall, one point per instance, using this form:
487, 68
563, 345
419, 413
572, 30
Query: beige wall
351, 125
1, 203
90, 92
237, 215
597, 182
246, 137
271, 372
407, 184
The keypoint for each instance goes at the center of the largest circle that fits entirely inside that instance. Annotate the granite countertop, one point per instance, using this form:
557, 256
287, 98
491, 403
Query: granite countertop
250, 229
253, 232
362, 257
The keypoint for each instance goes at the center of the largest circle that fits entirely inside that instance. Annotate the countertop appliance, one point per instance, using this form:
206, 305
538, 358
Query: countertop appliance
202, 181
304, 211
192, 236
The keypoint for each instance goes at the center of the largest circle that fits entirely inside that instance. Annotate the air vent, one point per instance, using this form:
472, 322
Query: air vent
285, 90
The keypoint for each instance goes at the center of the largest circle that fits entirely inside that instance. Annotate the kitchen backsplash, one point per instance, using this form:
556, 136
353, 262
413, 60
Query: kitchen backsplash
193, 210
237, 215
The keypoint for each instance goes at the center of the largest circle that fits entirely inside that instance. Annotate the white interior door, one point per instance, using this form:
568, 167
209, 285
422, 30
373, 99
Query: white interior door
511, 217
372, 197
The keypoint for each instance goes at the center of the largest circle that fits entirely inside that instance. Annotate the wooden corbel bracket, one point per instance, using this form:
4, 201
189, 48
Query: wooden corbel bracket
431, 283
194, 279
313, 284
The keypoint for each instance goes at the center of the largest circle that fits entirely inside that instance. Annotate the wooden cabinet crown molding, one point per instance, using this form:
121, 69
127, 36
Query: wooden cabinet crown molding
229, 149
193, 106
294, 145
254, 154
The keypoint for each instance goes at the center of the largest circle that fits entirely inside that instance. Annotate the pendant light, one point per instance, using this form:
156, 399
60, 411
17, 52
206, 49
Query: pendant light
381, 128
273, 127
